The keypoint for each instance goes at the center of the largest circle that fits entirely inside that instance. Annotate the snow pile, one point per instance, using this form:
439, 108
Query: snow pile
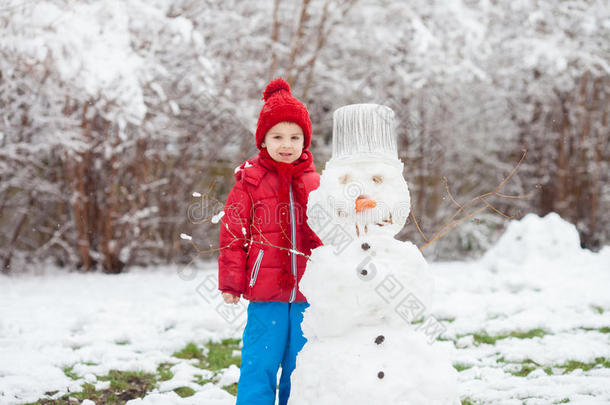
536, 238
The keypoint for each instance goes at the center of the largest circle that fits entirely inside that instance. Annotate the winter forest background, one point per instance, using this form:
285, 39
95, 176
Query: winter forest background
114, 113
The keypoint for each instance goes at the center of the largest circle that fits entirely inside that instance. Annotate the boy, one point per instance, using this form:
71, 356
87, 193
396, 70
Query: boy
265, 242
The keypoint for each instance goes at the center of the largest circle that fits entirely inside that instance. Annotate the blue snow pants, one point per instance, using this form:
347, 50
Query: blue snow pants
272, 338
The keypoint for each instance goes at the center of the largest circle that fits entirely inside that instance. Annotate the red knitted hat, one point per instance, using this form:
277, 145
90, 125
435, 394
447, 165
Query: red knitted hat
281, 106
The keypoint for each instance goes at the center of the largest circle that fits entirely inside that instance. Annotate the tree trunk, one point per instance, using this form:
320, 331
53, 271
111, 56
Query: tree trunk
76, 171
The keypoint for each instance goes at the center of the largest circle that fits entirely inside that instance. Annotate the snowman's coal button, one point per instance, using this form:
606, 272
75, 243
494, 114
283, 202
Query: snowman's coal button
365, 246
379, 339
380, 375
364, 272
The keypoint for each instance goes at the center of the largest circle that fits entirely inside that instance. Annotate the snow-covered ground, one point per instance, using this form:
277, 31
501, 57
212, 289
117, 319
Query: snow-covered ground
535, 279
536, 283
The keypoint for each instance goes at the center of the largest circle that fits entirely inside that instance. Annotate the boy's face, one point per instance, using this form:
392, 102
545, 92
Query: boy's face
284, 142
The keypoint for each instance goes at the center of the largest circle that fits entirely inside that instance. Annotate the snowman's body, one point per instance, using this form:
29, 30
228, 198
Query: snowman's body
365, 288
402, 369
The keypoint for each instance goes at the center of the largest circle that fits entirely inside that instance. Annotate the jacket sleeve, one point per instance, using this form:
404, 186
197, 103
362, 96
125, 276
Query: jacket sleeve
234, 241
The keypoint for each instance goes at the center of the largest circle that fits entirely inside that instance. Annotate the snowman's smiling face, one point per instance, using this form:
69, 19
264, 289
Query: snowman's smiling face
363, 197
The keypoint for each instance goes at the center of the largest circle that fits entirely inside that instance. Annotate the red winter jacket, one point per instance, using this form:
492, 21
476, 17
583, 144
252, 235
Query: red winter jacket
247, 266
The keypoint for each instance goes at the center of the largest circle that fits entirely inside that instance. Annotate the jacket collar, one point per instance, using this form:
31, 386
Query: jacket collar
253, 170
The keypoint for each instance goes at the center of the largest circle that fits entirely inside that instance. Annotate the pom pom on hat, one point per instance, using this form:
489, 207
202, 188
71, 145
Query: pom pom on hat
275, 85
280, 106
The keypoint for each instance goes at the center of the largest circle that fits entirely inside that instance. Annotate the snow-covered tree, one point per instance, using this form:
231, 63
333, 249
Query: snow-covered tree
114, 112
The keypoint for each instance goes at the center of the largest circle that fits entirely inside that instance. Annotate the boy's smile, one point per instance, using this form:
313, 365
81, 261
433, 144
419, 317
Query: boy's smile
284, 142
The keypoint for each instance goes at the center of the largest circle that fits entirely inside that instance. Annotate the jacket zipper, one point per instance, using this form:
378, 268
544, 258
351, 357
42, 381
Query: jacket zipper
257, 265
293, 256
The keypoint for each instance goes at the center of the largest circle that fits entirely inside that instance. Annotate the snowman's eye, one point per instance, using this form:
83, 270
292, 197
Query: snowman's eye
378, 179
344, 179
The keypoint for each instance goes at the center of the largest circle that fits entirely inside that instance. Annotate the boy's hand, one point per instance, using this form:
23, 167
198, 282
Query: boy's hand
230, 298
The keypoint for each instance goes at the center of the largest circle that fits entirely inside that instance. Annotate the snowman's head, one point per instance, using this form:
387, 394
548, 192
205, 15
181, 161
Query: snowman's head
359, 197
362, 190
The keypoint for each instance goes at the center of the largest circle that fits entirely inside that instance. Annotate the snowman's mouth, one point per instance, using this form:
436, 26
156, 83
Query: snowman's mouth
386, 221
383, 222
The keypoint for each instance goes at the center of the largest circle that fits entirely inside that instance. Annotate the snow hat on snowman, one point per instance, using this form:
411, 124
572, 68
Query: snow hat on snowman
364, 132
280, 106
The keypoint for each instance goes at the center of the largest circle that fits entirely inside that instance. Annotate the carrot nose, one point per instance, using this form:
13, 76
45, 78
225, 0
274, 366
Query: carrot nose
363, 203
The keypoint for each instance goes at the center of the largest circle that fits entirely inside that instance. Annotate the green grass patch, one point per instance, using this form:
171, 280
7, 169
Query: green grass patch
122, 342
200, 380
521, 369
563, 401
184, 391
527, 367
69, 373
130, 381
573, 365
220, 355
603, 329
484, 338
461, 366
231, 389
127, 385
164, 373
528, 334
597, 309
124, 386
190, 351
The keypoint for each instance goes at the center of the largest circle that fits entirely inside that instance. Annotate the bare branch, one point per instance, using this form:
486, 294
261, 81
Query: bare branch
454, 221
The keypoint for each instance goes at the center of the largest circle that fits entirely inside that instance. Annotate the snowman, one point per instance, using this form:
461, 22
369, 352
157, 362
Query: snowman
370, 338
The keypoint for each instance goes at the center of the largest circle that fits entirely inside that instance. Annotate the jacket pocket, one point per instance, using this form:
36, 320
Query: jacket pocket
257, 265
